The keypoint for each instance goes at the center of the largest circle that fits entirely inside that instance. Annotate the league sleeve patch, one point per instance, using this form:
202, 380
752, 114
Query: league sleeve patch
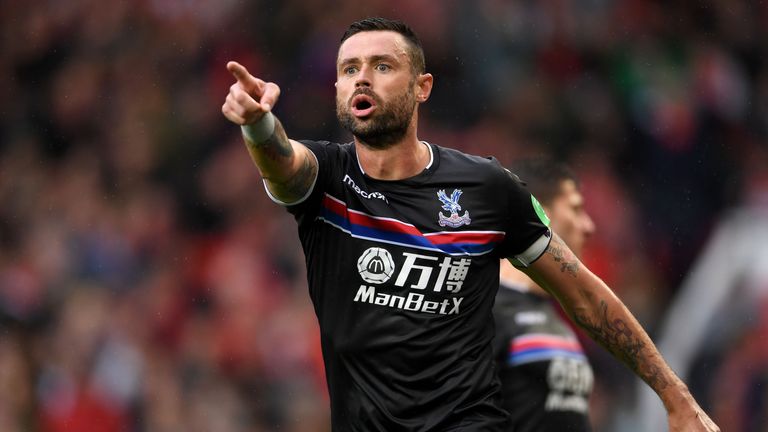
539, 211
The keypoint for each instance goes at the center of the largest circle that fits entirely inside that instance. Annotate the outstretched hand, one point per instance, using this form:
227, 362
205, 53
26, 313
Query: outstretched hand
249, 98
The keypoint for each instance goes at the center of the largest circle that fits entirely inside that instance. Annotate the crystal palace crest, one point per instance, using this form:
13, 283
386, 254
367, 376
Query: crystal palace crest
451, 205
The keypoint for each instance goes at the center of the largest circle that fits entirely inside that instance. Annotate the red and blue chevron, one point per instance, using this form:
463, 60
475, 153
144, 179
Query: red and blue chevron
387, 230
538, 347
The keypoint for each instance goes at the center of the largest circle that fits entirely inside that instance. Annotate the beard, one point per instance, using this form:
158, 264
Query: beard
386, 126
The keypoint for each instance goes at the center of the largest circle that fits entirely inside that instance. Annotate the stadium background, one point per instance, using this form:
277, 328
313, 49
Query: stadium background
147, 283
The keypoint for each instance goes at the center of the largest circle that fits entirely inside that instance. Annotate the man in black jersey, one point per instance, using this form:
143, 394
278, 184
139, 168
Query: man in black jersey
402, 240
546, 379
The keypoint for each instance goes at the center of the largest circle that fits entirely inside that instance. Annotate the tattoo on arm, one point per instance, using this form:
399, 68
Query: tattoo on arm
298, 184
617, 336
560, 252
612, 330
274, 157
275, 147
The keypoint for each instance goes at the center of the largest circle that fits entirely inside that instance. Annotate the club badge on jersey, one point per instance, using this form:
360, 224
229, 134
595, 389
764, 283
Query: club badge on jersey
451, 204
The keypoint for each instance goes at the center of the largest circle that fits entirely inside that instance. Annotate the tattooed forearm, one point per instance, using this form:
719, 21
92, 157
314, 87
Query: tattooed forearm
562, 255
275, 147
288, 172
297, 185
617, 336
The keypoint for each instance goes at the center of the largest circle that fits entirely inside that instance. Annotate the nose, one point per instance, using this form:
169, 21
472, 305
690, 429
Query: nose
363, 78
587, 225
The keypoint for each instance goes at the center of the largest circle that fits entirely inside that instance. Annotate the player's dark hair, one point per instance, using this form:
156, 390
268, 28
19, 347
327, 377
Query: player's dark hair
382, 24
543, 177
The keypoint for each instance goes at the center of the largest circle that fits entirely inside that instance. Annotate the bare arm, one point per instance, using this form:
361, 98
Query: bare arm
288, 167
592, 305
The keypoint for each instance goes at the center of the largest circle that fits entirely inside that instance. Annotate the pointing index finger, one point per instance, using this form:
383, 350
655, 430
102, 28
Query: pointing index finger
244, 77
238, 71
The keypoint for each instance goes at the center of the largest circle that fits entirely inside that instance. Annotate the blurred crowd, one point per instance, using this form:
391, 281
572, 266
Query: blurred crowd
147, 283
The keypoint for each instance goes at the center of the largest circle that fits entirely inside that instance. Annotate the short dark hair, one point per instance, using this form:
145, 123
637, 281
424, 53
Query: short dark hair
384, 24
543, 177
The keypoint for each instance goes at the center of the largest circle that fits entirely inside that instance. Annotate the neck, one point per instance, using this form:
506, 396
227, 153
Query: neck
402, 160
512, 276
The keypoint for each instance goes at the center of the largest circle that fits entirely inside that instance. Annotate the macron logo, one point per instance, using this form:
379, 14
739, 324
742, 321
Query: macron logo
367, 195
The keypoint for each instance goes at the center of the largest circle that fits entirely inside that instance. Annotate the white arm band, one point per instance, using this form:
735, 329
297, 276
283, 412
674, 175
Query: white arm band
261, 130
533, 252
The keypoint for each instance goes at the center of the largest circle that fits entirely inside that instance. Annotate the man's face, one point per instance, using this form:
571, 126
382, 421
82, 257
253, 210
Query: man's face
375, 87
568, 217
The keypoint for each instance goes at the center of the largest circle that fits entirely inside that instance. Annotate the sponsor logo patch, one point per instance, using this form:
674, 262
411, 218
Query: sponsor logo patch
426, 274
376, 265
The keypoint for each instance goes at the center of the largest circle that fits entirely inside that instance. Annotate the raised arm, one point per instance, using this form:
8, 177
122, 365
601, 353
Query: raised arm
288, 167
592, 305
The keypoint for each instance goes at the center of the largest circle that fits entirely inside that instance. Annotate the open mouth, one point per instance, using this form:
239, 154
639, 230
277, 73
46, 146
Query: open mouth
363, 105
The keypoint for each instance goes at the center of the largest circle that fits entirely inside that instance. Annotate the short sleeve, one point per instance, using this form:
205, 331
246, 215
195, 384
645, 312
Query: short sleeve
302, 199
526, 224
306, 208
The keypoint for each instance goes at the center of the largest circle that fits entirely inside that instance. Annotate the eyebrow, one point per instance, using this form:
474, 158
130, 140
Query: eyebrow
372, 59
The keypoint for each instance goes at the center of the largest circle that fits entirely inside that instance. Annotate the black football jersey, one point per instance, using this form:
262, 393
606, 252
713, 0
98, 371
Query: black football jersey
545, 376
402, 275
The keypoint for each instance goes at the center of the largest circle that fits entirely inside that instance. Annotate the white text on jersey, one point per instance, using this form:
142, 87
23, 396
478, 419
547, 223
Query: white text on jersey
367, 195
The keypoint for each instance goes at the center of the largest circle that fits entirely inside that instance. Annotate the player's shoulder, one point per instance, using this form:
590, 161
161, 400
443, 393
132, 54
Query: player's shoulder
486, 167
328, 152
326, 146
458, 157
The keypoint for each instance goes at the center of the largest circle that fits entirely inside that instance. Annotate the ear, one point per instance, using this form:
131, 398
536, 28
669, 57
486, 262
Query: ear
424, 87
